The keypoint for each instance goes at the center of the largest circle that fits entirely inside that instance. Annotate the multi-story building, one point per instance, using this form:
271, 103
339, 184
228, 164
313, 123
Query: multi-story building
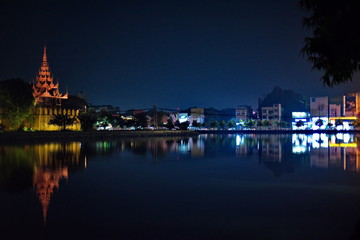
197, 114
243, 113
273, 113
351, 104
319, 107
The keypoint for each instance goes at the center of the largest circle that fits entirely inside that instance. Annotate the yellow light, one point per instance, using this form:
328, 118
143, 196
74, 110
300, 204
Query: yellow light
354, 145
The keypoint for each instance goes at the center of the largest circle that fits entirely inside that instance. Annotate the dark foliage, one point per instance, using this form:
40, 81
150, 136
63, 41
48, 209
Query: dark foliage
62, 120
334, 47
141, 120
87, 120
290, 101
16, 100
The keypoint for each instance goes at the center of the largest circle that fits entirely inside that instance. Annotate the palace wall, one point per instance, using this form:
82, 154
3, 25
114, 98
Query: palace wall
40, 119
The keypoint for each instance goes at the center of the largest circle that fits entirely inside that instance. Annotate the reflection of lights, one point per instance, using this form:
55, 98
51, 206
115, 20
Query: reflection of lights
237, 140
346, 137
320, 140
299, 142
353, 145
339, 136
298, 149
324, 121
315, 140
184, 147
333, 139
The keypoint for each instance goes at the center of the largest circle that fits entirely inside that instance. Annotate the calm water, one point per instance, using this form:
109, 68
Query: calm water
207, 187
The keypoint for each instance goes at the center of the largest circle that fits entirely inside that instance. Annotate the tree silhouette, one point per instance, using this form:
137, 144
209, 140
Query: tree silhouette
214, 124
170, 124
17, 101
231, 124
87, 120
299, 123
141, 120
334, 47
319, 123
290, 101
184, 125
62, 120
338, 122
222, 124
195, 123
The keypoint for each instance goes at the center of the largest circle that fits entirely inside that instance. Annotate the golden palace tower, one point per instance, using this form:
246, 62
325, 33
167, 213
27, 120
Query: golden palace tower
45, 91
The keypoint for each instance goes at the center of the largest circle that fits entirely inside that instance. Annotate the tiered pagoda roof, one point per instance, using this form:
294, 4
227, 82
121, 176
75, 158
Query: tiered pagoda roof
45, 91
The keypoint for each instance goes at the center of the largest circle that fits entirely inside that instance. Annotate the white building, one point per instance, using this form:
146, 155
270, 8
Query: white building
272, 113
243, 113
197, 114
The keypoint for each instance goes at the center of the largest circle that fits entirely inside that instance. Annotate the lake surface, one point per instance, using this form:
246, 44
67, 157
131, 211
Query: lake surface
205, 187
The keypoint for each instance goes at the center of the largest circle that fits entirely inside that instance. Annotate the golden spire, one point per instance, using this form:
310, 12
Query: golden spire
44, 56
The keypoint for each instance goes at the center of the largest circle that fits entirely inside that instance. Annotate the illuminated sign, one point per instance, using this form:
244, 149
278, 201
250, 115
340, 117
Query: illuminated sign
299, 114
183, 117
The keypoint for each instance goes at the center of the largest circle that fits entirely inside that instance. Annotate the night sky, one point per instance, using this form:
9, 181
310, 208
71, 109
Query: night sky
168, 53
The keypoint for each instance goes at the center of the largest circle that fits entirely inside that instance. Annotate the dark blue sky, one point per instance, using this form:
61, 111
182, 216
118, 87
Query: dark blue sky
169, 53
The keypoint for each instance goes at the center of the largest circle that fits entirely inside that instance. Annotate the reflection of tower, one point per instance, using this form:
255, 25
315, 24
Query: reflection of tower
44, 183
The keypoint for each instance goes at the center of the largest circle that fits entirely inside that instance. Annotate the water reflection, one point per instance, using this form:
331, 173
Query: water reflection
329, 151
232, 163
38, 166
43, 166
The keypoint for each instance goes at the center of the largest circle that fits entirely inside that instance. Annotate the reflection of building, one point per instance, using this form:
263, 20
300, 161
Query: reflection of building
45, 181
272, 113
270, 149
319, 158
197, 147
52, 162
245, 145
340, 151
299, 143
45, 92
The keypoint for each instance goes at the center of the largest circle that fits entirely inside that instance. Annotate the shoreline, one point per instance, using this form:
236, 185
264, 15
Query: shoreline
279, 131
91, 135
96, 135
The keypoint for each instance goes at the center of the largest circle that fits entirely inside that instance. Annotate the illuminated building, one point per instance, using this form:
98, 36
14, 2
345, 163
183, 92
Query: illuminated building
243, 113
300, 116
335, 110
319, 112
273, 113
45, 92
196, 114
319, 106
351, 105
